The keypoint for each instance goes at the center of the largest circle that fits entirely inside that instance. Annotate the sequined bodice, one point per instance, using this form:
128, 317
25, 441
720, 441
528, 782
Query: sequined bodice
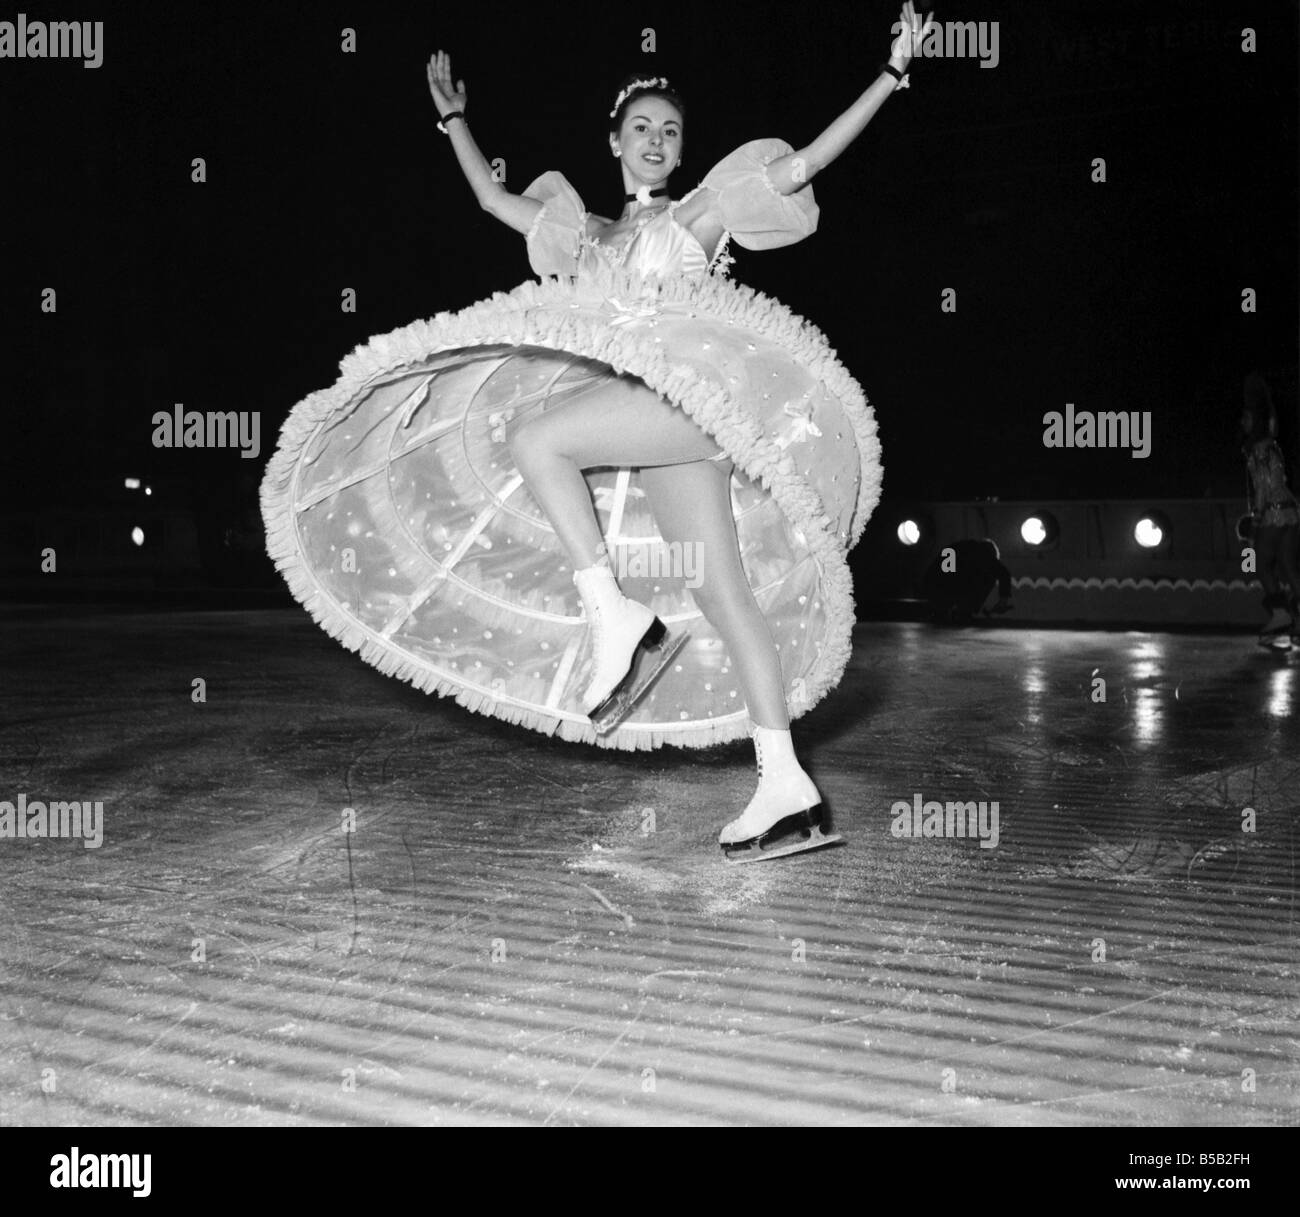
744, 206
1272, 499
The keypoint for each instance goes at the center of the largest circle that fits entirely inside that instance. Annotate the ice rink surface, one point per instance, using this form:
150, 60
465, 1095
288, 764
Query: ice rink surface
523, 931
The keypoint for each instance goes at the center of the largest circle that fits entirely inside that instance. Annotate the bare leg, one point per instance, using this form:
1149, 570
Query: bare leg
692, 504
624, 424
1289, 561
1269, 548
630, 425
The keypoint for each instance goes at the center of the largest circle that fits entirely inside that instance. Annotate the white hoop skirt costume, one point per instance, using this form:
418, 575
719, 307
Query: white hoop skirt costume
395, 512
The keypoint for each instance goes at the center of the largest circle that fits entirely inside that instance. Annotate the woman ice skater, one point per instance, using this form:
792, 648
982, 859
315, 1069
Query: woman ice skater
689, 449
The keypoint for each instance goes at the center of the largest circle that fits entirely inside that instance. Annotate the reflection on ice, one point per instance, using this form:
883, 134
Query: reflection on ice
1035, 685
1147, 720
1148, 648
1279, 693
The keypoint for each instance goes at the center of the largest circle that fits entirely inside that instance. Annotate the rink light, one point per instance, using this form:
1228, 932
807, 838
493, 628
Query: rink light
1150, 531
148, 490
1039, 530
132, 483
137, 535
909, 532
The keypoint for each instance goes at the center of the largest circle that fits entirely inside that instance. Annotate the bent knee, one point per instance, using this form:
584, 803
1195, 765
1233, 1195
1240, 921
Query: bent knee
529, 442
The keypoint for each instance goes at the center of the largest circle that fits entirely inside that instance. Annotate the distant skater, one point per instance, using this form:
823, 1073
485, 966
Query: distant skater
957, 594
1275, 518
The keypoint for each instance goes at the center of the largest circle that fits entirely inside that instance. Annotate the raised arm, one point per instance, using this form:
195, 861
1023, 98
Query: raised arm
793, 172
516, 210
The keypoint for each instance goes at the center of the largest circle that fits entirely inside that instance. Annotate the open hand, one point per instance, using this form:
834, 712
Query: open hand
446, 96
912, 33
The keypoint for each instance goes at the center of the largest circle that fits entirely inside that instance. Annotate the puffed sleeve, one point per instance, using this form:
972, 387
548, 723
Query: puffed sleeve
757, 215
553, 240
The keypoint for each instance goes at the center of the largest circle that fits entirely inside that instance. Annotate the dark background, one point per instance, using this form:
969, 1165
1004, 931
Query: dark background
325, 171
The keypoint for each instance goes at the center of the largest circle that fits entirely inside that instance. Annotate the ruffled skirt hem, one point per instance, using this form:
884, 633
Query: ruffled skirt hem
611, 318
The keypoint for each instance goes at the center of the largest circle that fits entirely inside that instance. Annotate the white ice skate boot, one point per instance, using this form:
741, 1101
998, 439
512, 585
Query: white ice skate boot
786, 813
1277, 630
630, 648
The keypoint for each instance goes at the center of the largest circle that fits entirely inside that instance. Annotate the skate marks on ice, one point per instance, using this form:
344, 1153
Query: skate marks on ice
664, 847
1272, 785
1215, 826
228, 834
660, 850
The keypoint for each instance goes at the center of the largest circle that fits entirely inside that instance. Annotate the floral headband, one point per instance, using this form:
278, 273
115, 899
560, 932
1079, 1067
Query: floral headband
654, 82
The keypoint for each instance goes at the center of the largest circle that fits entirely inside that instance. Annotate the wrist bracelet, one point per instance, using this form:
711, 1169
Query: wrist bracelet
446, 118
900, 77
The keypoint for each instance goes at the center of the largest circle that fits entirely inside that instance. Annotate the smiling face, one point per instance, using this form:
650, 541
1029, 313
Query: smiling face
649, 140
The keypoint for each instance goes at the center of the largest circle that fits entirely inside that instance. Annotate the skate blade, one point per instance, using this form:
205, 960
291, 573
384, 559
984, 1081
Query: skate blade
646, 669
755, 851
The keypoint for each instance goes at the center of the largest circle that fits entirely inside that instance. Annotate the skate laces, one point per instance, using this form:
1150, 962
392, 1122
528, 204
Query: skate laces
596, 619
596, 609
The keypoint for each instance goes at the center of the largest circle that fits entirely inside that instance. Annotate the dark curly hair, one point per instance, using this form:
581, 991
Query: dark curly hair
667, 92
